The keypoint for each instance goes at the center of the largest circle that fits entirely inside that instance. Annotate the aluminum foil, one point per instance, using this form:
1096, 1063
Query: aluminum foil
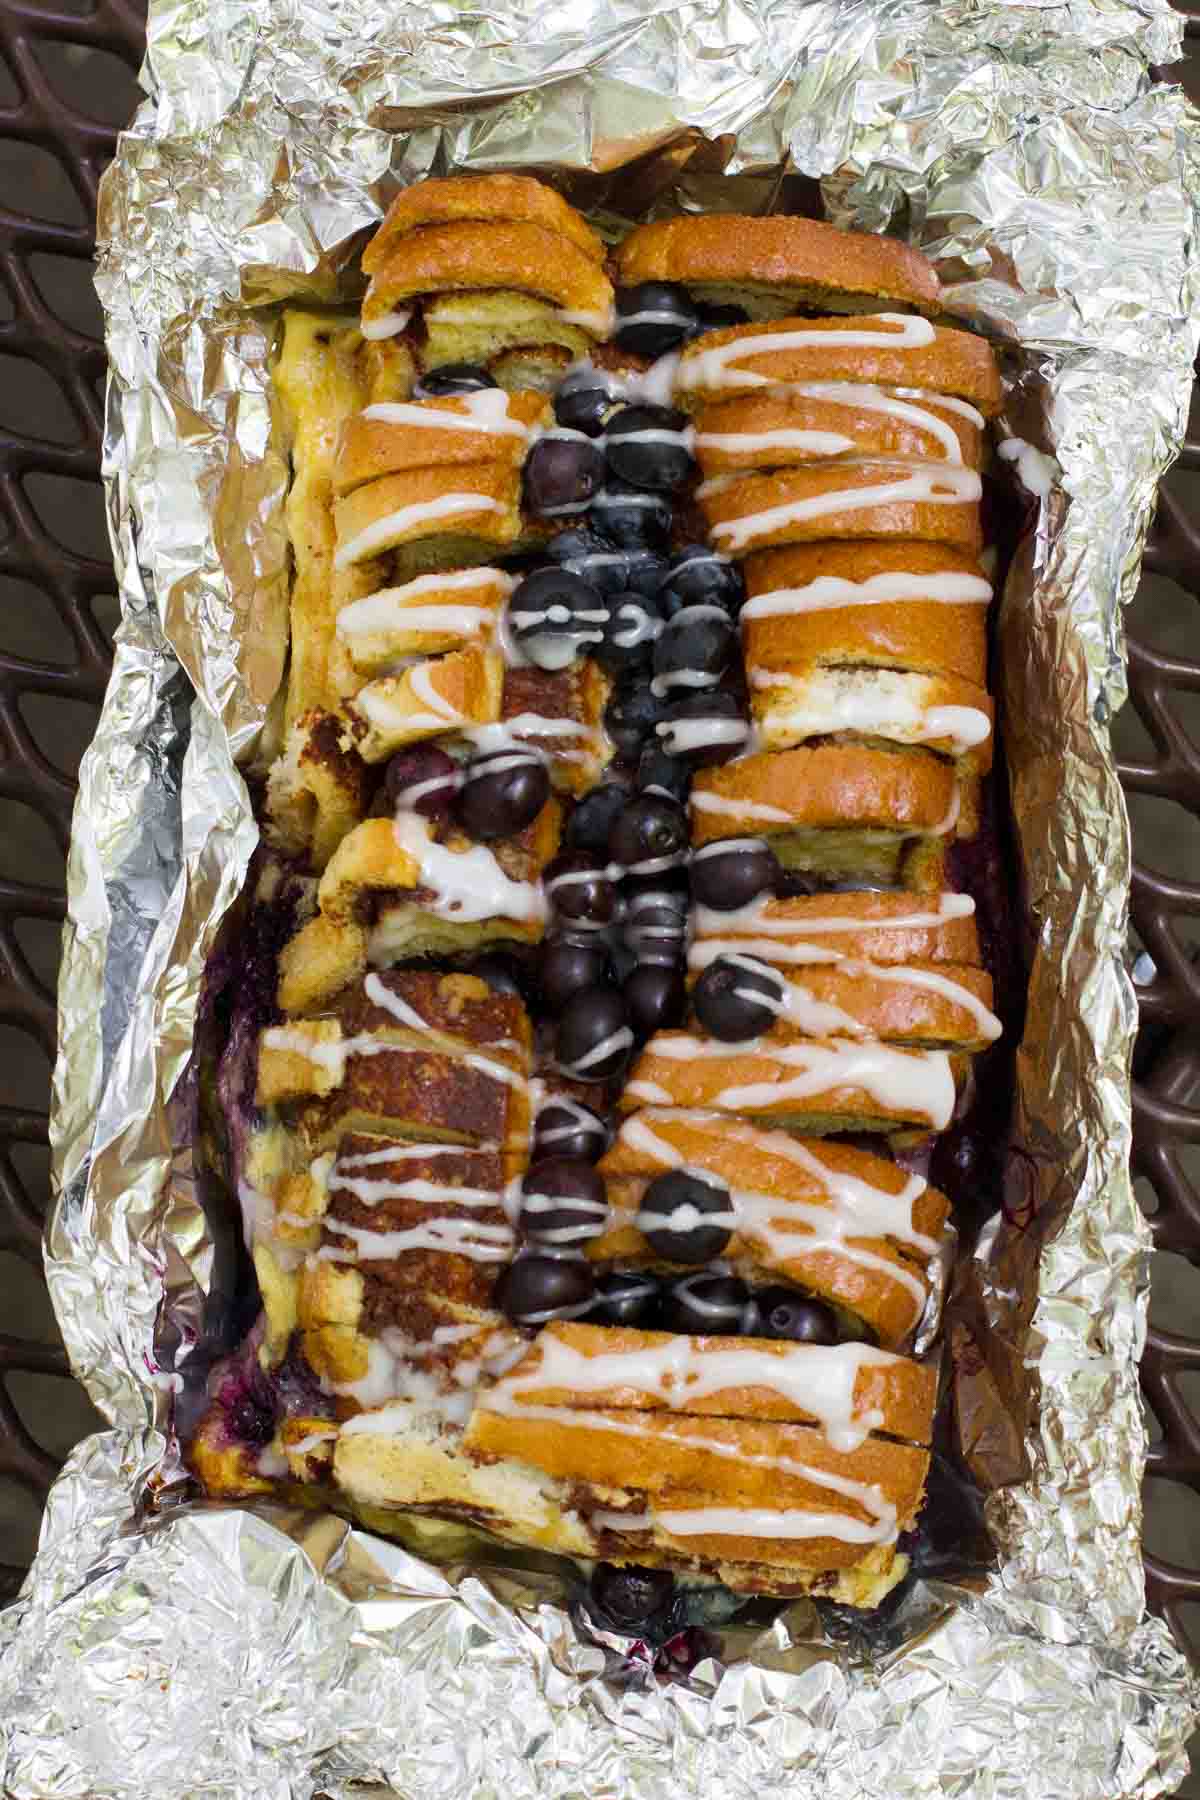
162, 1646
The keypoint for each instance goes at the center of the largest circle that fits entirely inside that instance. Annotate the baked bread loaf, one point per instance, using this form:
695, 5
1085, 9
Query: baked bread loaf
756, 511
813, 1086
843, 811
886, 349
432, 613
518, 199
453, 693
908, 605
488, 426
769, 266
840, 1223
813, 421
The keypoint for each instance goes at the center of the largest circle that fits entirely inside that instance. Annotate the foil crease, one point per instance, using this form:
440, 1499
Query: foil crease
161, 1645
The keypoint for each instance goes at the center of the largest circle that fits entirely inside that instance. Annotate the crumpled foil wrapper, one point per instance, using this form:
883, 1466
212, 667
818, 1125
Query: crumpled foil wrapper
162, 1646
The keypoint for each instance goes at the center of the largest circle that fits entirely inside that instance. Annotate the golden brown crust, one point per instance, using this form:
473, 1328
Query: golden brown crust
421, 1094
725, 249
931, 636
774, 430
444, 200
788, 506
817, 1086
855, 701
952, 362
369, 448
316, 789
482, 500
573, 697
445, 694
475, 256
738, 1463
887, 928
831, 786
320, 381
789, 1245
423, 617
318, 962
900, 1391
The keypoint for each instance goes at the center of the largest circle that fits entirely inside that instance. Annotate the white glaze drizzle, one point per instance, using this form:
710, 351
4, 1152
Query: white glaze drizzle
710, 368
918, 1083
949, 587
468, 885
817, 1380
486, 411
386, 325
877, 702
389, 608
929, 485
382, 533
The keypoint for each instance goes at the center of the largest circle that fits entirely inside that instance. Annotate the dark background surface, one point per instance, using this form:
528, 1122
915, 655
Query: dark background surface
66, 82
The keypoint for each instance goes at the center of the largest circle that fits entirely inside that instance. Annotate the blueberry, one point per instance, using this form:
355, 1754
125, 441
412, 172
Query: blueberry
655, 998
655, 925
566, 966
654, 317
650, 446
553, 615
538, 1287
717, 317
583, 401
593, 1039
503, 974
631, 517
422, 779
732, 872
631, 717
452, 378
592, 819
706, 1305
737, 997
698, 576
674, 1213
658, 773
626, 1297
562, 474
563, 1203
704, 729
565, 1128
251, 1419
612, 570
633, 624
502, 792
633, 1599
693, 650
580, 890
649, 835
780, 1312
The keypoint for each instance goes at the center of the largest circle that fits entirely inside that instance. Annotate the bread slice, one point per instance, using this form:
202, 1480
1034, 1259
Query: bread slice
430, 699
854, 703
891, 605
815, 1086
475, 255
431, 518
316, 789
930, 1006
845, 811
436, 612
776, 428
850, 1227
560, 713
451, 430
770, 265
454, 198
819, 930
519, 339
885, 349
755, 511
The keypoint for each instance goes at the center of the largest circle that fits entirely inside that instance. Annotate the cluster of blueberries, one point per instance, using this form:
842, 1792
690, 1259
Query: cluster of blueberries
686, 1219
